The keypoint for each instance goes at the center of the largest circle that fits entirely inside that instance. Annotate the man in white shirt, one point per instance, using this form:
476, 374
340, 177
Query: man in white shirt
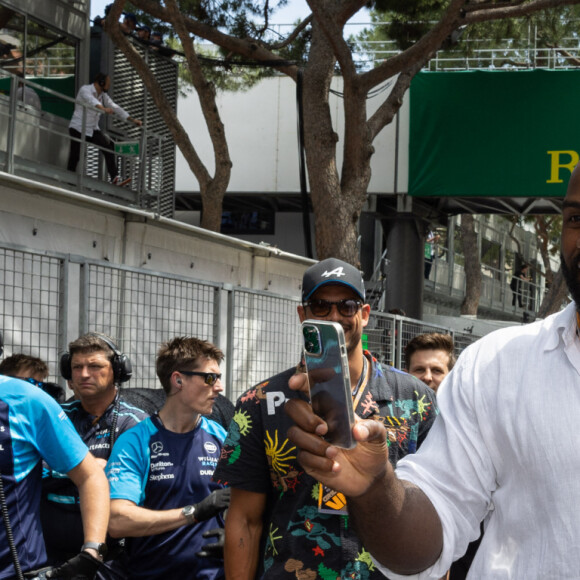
89, 98
503, 450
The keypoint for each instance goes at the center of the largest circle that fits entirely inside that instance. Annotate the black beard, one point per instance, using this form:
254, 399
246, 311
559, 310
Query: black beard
572, 277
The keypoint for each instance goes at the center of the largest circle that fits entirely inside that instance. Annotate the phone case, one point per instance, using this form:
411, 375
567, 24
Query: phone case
329, 379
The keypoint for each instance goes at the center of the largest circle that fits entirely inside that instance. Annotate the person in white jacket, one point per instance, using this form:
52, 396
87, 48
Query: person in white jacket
95, 95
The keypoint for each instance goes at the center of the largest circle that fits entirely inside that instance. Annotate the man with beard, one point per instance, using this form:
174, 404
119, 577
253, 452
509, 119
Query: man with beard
503, 450
281, 522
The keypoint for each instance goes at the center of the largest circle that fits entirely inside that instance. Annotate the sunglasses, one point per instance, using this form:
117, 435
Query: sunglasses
34, 382
348, 307
210, 379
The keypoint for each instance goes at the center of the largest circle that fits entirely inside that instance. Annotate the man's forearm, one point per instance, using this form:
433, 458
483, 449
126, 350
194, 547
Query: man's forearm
241, 551
94, 499
398, 525
130, 520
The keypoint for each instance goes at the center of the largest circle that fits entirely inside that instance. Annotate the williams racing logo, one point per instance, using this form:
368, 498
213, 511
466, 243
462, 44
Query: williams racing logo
210, 448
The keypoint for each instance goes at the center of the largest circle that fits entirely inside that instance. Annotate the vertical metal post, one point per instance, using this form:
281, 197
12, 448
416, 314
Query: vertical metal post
216, 339
11, 125
141, 188
451, 253
503, 280
230, 342
399, 341
84, 299
123, 299
63, 282
83, 154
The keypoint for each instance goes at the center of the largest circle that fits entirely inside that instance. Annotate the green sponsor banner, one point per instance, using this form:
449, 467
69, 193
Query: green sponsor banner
50, 103
494, 133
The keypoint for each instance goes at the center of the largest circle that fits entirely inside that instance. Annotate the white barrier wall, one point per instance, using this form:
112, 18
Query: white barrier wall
41, 217
261, 130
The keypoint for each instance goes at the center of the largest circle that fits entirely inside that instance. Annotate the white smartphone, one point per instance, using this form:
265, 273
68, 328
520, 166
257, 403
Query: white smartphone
329, 379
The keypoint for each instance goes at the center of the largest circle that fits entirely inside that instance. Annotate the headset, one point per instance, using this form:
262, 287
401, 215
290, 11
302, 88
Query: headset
122, 369
101, 79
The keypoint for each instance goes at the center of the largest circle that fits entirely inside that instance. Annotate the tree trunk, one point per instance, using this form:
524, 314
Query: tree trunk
556, 295
541, 227
337, 203
212, 188
472, 266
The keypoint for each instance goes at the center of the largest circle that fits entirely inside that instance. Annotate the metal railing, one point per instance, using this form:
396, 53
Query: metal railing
448, 279
48, 299
35, 142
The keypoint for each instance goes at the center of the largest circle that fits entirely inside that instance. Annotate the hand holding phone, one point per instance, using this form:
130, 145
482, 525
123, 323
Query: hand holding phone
329, 379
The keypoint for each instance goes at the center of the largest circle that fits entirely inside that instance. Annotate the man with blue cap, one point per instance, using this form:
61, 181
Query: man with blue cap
281, 522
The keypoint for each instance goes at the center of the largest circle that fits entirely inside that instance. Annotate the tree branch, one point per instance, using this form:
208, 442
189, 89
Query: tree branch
293, 35
249, 48
179, 134
421, 51
206, 94
331, 17
490, 11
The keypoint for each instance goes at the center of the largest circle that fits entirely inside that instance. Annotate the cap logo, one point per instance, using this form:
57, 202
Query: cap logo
338, 272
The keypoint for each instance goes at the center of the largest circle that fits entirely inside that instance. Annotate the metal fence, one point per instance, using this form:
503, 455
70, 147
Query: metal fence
48, 299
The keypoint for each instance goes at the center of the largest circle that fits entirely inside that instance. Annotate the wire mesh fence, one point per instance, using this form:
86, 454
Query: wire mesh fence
44, 305
31, 303
264, 337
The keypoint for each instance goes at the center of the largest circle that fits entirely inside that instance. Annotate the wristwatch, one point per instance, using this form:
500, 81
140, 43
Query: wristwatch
189, 512
100, 548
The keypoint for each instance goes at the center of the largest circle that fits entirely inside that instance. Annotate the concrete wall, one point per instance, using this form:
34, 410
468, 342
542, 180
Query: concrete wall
41, 217
261, 129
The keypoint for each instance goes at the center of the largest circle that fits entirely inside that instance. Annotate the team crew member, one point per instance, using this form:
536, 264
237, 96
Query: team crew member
94, 367
163, 497
95, 95
281, 523
33, 427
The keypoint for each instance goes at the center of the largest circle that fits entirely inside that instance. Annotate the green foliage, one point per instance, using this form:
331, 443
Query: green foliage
408, 20
496, 43
240, 18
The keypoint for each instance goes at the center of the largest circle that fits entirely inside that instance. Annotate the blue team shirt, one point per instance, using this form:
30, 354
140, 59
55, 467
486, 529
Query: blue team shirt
160, 470
32, 427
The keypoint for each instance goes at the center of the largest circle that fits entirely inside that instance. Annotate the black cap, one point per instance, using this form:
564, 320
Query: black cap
130, 16
332, 271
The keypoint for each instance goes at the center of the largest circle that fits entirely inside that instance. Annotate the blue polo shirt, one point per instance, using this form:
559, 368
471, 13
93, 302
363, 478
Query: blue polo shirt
161, 470
32, 427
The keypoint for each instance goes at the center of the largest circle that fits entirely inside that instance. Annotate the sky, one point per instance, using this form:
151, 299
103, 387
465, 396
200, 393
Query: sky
291, 12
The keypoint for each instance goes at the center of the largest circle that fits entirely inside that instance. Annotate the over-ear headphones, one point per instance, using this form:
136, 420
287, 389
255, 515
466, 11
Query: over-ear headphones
101, 79
122, 369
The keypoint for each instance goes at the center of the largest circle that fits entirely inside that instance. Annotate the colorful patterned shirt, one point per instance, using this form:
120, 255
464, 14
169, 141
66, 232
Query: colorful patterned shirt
302, 538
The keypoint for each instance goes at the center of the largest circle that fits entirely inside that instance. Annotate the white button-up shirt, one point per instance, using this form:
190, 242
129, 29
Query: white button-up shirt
88, 95
506, 448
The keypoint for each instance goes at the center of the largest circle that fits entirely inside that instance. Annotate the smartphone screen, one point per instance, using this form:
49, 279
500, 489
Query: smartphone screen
329, 379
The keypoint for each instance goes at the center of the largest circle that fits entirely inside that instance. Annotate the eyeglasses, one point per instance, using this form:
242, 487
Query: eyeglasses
210, 379
348, 307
